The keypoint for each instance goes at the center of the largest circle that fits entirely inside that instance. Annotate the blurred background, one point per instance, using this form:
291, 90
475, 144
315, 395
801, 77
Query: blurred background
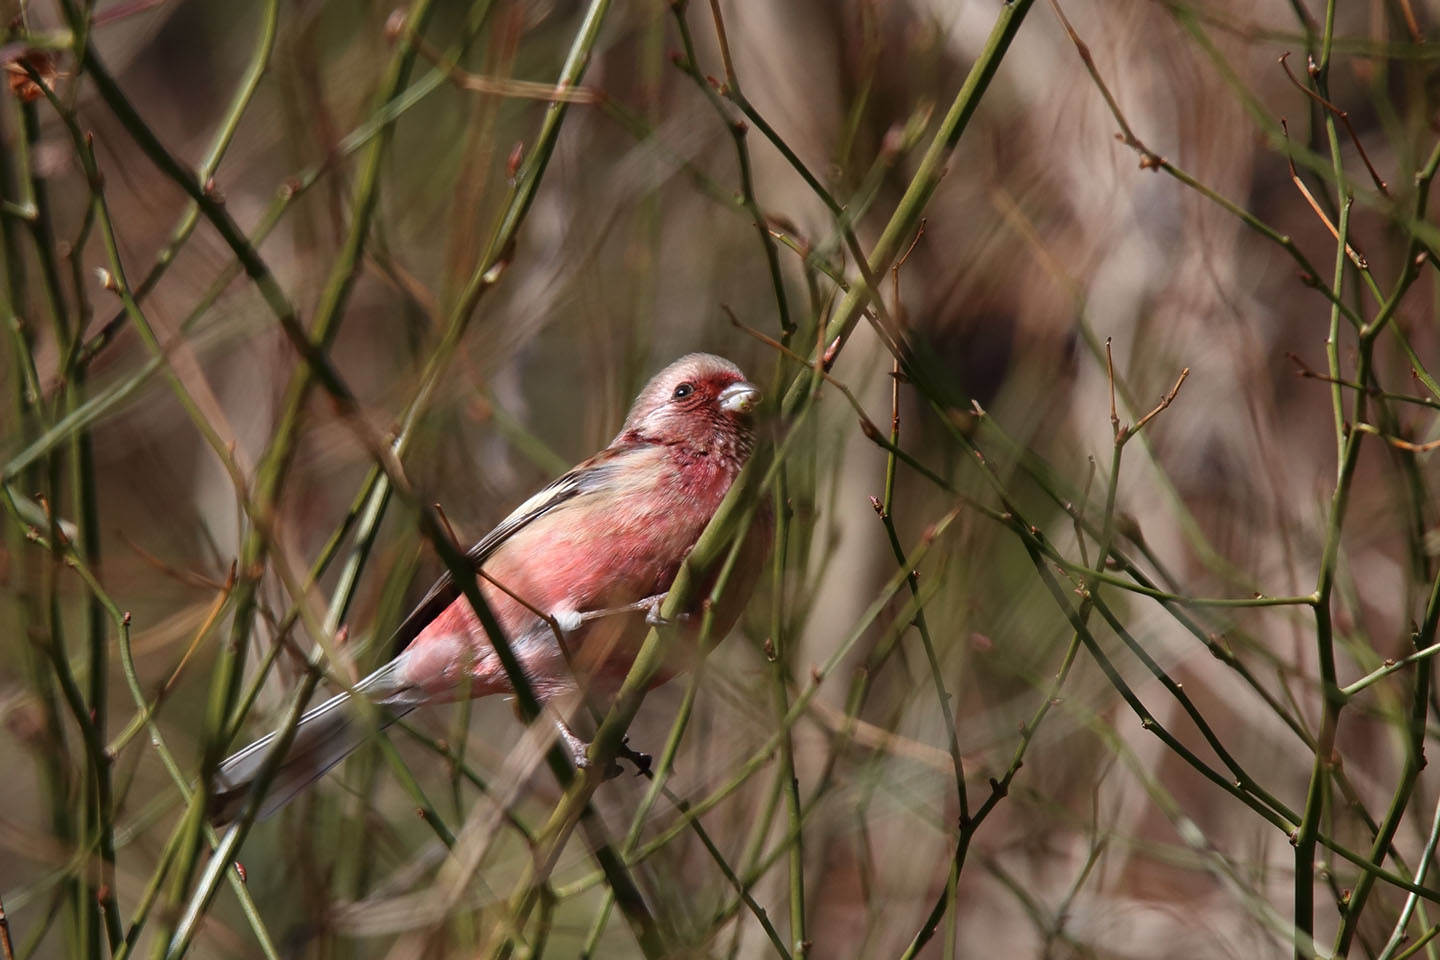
525, 268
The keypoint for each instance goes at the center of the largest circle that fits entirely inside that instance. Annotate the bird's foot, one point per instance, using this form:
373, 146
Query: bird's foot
580, 752
650, 606
652, 610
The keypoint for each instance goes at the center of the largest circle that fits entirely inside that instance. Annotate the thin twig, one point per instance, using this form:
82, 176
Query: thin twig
867, 426
1165, 401
1110, 382
7, 950
499, 86
1355, 256
1344, 118
1149, 159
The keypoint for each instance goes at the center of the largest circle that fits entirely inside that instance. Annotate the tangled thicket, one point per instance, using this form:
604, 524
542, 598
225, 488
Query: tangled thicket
1063, 651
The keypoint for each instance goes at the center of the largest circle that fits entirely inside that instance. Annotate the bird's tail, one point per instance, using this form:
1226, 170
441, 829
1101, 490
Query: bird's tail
325, 735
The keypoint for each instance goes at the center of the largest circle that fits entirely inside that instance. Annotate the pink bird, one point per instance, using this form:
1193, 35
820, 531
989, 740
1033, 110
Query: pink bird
596, 550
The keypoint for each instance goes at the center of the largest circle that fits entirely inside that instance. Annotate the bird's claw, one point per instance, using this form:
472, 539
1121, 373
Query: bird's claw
643, 762
580, 752
653, 616
611, 771
569, 620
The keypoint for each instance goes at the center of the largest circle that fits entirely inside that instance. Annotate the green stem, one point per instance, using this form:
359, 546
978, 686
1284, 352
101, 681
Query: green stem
928, 174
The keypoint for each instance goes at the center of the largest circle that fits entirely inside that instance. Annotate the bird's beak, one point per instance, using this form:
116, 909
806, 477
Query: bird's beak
739, 397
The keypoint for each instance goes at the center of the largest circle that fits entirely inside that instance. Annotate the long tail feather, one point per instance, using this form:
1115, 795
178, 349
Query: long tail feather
325, 735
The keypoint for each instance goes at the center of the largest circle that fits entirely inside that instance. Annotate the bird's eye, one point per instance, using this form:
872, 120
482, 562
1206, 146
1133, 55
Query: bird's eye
684, 390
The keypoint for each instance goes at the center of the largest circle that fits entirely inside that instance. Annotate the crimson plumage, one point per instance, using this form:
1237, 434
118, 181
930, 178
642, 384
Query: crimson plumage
595, 550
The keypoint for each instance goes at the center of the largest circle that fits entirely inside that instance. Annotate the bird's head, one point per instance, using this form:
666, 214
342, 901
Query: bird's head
700, 401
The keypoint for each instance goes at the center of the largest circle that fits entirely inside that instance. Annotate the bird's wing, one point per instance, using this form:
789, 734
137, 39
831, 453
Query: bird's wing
585, 478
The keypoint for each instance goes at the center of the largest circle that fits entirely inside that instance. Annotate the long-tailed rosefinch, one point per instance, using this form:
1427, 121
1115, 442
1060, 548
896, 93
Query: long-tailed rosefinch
596, 551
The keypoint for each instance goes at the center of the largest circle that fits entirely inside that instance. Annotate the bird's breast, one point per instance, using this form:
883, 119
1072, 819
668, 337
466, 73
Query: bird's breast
608, 548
